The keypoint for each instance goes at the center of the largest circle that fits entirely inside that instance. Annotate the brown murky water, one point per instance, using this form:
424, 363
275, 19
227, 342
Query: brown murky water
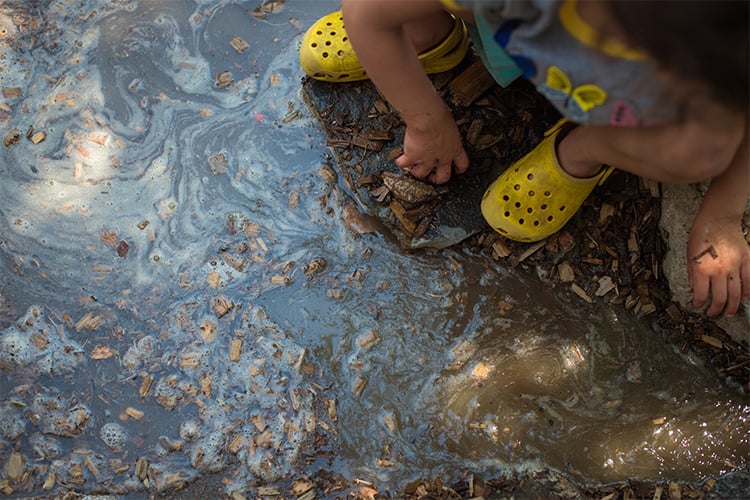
182, 295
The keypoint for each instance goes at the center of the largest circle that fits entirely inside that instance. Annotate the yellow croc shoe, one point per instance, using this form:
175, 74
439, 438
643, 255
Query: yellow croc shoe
326, 53
535, 197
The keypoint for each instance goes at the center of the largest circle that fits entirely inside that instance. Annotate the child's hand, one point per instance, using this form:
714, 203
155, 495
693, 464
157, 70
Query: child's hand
719, 262
434, 152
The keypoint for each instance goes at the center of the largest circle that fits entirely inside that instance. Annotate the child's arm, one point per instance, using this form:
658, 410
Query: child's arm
718, 255
432, 144
695, 149
712, 145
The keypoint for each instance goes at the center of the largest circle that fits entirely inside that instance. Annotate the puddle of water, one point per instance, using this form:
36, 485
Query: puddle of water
166, 313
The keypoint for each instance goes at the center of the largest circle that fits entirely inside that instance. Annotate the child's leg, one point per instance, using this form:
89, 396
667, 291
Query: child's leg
327, 54
429, 31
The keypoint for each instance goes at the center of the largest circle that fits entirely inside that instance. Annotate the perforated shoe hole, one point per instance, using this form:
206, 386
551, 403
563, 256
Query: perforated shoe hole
530, 177
506, 198
531, 193
517, 187
507, 214
518, 204
520, 221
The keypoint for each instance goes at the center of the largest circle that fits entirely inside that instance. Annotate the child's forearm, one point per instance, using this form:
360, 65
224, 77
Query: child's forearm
728, 193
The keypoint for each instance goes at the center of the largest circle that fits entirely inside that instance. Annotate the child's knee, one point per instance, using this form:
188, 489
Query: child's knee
703, 155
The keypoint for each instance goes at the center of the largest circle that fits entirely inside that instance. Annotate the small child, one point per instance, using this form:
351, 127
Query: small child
657, 89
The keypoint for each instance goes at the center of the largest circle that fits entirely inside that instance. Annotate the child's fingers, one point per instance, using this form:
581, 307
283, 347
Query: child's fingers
718, 296
441, 175
745, 277
461, 162
734, 295
700, 289
417, 168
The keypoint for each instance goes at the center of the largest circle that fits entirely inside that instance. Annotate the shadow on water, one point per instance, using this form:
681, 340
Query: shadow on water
182, 293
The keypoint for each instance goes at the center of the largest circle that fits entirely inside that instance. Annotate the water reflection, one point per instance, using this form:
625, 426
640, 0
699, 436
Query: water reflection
181, 292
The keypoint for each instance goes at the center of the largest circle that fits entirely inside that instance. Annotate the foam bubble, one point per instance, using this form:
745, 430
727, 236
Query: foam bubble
189, 430
113, 434
12, 421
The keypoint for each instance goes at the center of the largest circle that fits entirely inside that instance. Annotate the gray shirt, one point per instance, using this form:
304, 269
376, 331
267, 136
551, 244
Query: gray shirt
590, 79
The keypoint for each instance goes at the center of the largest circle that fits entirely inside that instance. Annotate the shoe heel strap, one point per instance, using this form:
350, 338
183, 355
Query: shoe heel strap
606, 172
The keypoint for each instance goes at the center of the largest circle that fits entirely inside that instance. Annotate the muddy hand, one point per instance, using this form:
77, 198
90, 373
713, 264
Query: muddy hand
718, 266
434, 154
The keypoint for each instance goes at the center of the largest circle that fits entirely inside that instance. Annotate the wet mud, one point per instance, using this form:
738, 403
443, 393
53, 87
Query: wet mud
193, 300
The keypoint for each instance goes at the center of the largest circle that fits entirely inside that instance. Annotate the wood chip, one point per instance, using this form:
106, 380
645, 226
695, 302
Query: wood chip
531, 251
213, 280
133, 413
565, 270
141, 468
359, 385
38, 137
281, 280
606, 285
300, 487
472, 83
651, 186
238, 442
712, 341
11, 92
500, 249
222, 305
481, 371
217, 163
101, 352
605, 212
239, 44
12, 137
235, 350
145, 385
224, 79
208, 330
190, 360
581, 293
49, 483
15, 466
258, 422
89, 322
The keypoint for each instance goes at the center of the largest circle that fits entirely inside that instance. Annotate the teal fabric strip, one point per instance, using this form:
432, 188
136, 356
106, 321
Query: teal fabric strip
498, 62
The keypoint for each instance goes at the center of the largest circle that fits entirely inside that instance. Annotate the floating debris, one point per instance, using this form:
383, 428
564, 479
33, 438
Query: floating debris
12, 137
239, 44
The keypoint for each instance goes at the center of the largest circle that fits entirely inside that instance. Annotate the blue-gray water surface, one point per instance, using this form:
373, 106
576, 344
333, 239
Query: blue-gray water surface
186, 289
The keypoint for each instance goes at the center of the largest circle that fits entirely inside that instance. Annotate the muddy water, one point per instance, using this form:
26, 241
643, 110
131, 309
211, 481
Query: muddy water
182, 292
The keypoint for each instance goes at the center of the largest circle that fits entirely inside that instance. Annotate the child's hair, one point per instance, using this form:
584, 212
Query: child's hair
699, 40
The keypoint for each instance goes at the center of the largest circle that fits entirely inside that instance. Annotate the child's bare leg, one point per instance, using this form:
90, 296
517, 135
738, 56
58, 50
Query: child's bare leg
429, 31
